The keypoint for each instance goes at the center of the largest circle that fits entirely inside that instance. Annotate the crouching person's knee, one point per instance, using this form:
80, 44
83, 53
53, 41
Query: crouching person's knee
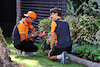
49, 56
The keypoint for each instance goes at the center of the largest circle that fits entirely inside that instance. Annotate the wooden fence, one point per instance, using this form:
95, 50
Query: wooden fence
42, 8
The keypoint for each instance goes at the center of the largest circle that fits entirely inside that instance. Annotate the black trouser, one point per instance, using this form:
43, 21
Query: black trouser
26, 46
58, 51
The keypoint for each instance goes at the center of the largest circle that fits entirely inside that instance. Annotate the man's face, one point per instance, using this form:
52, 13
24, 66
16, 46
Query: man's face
30, 20
53, 16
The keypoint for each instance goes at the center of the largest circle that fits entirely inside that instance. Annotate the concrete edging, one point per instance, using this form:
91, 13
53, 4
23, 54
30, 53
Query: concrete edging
83, 61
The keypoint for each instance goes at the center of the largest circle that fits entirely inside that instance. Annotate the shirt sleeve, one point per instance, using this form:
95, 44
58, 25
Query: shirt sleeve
53, 26
21, 28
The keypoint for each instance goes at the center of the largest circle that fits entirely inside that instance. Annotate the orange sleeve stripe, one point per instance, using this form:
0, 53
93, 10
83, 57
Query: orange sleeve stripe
21, 28
53, 26
30, 26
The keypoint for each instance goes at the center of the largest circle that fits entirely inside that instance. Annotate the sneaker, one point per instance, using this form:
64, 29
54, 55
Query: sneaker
64, 59
19, 52
29, 53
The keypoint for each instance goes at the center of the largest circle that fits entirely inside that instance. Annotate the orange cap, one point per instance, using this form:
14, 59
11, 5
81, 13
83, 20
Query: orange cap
31, 14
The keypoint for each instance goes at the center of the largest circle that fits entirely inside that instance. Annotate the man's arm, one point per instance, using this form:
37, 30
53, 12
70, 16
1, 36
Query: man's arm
52, 40
33, 30
23, 37
21, 29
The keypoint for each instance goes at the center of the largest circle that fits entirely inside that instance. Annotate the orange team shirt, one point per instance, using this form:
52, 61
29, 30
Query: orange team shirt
53, 27
23, 28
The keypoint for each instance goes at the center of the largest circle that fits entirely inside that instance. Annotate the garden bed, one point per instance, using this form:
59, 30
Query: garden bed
89, 52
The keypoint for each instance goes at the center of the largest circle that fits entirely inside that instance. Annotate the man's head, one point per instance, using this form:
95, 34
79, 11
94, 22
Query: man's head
54, 13
30, 17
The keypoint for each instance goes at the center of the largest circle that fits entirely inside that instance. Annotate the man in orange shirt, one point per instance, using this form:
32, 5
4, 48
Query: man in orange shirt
63, 44
21, 40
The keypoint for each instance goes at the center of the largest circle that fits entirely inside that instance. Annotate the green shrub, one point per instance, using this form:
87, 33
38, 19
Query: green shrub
96, 41
85, 8
82, 28
88, 51
44, 25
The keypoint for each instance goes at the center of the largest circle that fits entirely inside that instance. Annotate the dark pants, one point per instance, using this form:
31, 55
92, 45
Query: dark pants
26, 46
58, 51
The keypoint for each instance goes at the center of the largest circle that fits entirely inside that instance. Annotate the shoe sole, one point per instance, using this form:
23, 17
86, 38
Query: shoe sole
65, 58
30, 54
19, 53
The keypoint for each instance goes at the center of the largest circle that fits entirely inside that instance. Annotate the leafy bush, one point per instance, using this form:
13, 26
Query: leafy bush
70, 9
85, 8
88, 51
97, 40
82, 28
76, 49
44, 25
97, 36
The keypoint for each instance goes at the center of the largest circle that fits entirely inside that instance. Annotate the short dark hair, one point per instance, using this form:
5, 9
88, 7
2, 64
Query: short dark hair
56, 10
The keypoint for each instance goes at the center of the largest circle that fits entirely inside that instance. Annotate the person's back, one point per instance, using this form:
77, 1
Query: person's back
16, 35
63, 34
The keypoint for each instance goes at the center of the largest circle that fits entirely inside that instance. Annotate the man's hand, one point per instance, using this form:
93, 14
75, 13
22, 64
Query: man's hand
30, 39
48, 41
36, 33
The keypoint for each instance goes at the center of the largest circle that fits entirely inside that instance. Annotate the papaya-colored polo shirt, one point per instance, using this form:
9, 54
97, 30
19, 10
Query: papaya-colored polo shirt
24, 27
